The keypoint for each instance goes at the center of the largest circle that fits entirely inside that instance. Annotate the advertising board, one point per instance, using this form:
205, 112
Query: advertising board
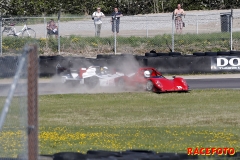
227, 63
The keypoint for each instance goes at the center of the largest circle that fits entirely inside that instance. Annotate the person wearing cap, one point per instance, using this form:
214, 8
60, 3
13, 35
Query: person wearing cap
96, 16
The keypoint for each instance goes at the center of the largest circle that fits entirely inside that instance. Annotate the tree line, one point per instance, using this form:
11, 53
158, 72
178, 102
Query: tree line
128, 7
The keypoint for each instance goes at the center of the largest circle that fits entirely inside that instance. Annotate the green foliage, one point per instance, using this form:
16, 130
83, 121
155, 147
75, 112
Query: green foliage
128, 7
186, 44
53, 44
131, 41
14, 44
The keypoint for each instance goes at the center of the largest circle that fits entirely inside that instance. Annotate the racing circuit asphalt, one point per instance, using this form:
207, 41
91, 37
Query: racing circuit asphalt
53, 86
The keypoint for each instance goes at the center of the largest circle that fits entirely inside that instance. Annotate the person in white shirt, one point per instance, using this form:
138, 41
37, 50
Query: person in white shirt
96, 16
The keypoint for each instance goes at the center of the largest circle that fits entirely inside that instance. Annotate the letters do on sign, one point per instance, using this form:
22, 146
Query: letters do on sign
222, 62
226, 63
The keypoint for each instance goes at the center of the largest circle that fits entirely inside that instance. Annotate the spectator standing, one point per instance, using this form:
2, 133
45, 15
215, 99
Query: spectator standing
178, 13
116, 20
52, 28
96, 16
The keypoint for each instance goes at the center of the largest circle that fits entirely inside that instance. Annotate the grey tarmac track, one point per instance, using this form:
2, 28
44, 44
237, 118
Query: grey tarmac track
54, 86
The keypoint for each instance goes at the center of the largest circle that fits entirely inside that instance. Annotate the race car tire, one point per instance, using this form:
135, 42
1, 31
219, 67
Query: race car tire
149, 86
91, 82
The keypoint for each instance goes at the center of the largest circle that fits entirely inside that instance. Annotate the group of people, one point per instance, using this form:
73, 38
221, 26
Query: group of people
52, 28
115, 20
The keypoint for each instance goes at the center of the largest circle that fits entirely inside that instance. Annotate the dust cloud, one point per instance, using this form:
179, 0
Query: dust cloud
126, 64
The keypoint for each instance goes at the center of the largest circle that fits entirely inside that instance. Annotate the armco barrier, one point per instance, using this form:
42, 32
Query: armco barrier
166, 64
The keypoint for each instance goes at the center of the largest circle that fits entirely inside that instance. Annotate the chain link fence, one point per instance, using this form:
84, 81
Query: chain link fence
204, 31
19, 107
13, 105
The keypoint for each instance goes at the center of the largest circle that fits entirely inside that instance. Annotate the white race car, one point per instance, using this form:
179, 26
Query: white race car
92, 76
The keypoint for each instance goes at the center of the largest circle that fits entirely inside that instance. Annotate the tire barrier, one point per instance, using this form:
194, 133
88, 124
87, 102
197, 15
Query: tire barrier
210, 53
99, 56
142, 61
2, 66
162, 54
180, 64
126, 155
126, 63
8, 66
151, 54
199, 53
175, 54
48, 65
235, 53
167, 63
223, 53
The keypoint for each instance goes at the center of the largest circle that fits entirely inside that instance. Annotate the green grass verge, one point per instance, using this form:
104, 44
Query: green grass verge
91, 46
168, 122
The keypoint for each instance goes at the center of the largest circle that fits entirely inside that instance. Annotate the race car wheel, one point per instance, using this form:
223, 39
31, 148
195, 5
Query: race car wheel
91, 82
149, 86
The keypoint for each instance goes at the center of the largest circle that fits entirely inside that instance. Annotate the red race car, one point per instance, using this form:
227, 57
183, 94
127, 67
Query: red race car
152, 80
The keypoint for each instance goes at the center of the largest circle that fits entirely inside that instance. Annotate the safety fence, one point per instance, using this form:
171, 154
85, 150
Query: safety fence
204, 31
19, 106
